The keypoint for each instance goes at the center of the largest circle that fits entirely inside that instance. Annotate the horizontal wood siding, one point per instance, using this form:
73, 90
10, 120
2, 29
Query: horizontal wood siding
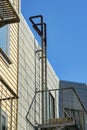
9, 73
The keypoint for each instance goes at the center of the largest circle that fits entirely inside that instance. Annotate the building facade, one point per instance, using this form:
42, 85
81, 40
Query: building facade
21, 84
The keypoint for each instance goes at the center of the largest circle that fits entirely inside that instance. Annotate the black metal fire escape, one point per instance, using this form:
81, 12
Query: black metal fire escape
66, 122
8, 14
40, 28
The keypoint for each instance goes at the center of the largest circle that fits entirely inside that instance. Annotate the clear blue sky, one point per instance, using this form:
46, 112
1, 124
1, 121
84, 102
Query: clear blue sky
66, 35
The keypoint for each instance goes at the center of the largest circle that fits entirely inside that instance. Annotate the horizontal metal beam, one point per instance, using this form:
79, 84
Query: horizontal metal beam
36, 16
8, 98
66, 88
49, 90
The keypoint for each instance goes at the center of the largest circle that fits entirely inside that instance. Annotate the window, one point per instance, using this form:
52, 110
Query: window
50, 106
4, 39
3, 120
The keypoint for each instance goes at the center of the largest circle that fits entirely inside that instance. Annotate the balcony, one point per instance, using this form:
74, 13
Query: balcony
72, 112
58, 124
8, 14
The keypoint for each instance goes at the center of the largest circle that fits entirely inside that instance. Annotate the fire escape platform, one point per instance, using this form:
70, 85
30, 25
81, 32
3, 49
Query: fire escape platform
8, 14
58, 125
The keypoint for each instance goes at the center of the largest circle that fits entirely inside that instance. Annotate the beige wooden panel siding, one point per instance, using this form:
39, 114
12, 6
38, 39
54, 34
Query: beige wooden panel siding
10, 73
7, 106
16, 4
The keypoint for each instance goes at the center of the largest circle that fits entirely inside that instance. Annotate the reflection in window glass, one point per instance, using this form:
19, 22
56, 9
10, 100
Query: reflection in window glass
4, 38
3, 123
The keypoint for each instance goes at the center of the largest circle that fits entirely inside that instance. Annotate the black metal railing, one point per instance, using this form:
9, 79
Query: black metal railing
70, 104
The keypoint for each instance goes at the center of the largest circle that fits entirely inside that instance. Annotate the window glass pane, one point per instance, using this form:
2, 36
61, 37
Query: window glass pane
3, 123
4, 38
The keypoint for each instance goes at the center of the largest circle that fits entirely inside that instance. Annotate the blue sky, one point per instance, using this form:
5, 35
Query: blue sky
66, 35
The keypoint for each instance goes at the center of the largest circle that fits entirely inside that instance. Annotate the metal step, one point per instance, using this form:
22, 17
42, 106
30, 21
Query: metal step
57, 124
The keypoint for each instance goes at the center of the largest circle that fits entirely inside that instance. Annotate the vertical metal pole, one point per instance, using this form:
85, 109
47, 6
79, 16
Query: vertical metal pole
44, 72
42, 34
45, 48
42, 67
35, 85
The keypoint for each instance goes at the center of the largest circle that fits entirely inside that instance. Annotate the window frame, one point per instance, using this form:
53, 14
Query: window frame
7, 42
52, 100
6, 54
50, 106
